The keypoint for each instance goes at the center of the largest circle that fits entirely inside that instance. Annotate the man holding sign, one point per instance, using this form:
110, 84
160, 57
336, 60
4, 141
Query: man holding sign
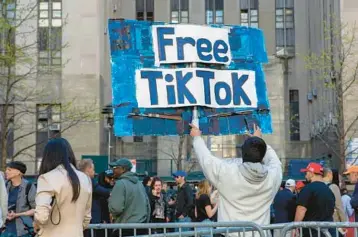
246, 186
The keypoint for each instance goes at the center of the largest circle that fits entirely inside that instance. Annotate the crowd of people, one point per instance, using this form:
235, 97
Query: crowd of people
67, 197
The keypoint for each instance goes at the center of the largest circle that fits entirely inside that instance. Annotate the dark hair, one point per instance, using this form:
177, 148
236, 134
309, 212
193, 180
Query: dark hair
57, 152
344, 191
71, 154
102, 180
253, 150
335, 177
155, 179
146, 180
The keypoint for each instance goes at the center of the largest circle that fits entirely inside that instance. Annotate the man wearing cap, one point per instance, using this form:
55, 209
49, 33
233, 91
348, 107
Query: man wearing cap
185, 199
21, 199
352, 173
128, 202
246, 186
316, 201
285, 203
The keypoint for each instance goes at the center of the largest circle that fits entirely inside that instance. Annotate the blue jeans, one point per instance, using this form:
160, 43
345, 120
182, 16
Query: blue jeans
182, 220
205, 228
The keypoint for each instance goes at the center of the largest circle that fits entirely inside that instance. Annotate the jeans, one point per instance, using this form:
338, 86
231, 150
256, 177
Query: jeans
182, 220
208, 229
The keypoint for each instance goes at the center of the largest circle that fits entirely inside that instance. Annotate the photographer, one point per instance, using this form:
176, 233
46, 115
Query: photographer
21, 200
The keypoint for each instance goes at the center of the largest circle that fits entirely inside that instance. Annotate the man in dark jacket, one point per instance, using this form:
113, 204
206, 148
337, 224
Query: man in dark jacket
98, 193
285, 203
185, 199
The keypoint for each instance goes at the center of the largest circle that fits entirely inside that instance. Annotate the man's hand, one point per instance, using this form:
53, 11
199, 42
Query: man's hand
257, 132
181, 217
194, 132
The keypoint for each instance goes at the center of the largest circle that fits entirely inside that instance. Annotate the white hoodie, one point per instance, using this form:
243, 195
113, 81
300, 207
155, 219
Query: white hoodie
246, 189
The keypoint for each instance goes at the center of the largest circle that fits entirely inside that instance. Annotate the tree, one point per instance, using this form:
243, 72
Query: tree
179, 150
337, 67
24, 72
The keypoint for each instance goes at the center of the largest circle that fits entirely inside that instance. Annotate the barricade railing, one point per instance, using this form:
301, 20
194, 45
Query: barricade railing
241, 229
327, 229
178, 229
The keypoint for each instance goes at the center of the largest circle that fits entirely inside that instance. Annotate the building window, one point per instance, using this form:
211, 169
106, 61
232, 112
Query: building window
285, 28
214, 11
138, 138
294, 115
7, 125
145, 10
48, 125
249, 13
179, 11
7, 33
50, 32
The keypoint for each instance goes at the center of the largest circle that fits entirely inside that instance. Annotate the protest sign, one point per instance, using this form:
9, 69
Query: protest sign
154, 90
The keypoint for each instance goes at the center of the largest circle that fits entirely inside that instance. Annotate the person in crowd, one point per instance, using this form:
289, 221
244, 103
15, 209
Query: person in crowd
158, 204
147, 182
346, 201
204, 208
21, 200
331, 178
3, 201
285, 205
106, 180
64, 194
348, 209
316, 201
98, 194
246, 186
299, 186
128, 202
352, 173
184, 206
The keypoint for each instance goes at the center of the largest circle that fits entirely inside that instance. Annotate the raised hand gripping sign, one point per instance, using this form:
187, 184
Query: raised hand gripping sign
155, 89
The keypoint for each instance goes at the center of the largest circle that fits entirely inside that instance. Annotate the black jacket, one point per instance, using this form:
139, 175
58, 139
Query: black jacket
185, 201
162, 201
99, 203
284, 206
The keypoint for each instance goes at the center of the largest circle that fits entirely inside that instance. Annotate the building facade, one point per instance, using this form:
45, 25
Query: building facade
71, 57
51, 86
349, 9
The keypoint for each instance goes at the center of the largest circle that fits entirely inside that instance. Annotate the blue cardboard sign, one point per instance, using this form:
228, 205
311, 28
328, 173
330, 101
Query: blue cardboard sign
160, 71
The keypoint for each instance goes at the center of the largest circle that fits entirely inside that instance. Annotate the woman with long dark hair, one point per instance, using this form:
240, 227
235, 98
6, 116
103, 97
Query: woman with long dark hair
64, 194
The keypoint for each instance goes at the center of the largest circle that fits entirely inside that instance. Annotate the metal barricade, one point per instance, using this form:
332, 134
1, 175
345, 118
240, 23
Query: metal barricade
244, 229
328, 229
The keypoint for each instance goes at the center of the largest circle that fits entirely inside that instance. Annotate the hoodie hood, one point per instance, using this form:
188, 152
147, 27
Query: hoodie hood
253, 172
130, 176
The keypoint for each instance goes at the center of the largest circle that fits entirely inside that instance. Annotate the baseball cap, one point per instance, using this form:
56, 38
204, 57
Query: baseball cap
314, 168
300, 185
290, 183
123, 162
352, 169
180, 173
108, 173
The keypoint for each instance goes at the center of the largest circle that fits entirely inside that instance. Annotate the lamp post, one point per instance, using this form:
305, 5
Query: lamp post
108, 112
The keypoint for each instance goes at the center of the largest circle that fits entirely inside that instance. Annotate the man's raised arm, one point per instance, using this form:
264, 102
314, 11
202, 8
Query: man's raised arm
210, 164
